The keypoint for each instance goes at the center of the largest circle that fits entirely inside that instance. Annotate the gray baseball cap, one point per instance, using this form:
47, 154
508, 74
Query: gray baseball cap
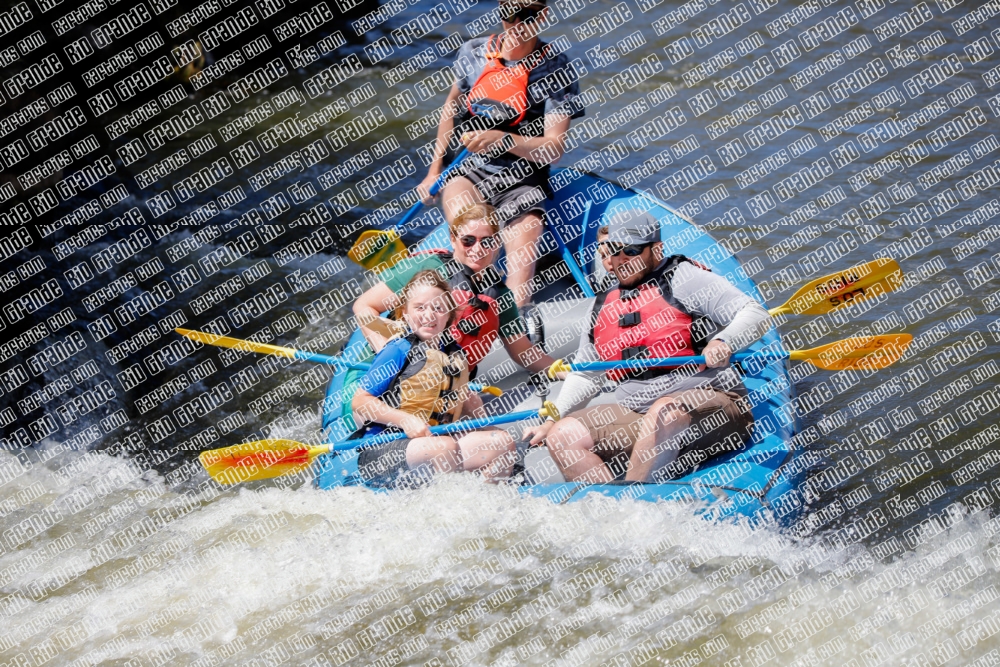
633, 227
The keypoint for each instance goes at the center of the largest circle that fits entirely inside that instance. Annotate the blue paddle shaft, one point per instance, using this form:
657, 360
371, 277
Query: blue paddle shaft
444, 429
328, 360
667, 362
439, 183
434, 189
361, 366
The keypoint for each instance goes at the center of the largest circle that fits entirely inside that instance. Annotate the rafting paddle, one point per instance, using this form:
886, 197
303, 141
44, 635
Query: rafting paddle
383, 247
865, 353
817, 297
264, 459
822, 295
264, 348
301, 355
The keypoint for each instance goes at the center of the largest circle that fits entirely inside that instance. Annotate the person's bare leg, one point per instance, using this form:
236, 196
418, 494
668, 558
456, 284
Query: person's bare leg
457, 194
572, 449
654, 449
520, 238
490, 452
473, 406
440, 452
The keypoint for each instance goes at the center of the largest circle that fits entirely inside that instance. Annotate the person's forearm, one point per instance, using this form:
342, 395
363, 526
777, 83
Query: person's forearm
526, 354
365, 315
372, 409
543, 363
747, 326
541, 150
534, 359
742, 319
441, 147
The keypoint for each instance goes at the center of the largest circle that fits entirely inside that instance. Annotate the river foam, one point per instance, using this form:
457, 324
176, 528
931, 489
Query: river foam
131, 568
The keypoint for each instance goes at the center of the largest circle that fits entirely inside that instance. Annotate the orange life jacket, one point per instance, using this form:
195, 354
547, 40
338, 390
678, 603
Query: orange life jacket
501, 92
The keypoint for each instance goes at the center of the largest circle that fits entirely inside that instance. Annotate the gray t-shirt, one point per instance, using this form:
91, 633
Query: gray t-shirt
553, 88
743, 322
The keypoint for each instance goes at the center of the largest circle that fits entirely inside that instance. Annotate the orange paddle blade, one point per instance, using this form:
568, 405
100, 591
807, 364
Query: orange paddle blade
262, 459
864, 353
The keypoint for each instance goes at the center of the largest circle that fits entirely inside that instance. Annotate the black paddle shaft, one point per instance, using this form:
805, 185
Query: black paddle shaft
542, 391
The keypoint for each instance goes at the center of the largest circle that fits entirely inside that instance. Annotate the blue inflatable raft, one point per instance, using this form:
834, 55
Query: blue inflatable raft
758, 480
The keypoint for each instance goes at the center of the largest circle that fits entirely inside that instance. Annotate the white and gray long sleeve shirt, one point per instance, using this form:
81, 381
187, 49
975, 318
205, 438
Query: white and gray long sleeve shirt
743, 322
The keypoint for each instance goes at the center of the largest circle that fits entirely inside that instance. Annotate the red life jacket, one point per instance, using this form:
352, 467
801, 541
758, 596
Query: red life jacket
477, 323
647, 322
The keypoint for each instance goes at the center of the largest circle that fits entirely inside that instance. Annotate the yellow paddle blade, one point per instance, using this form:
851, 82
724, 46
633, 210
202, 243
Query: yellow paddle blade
262, 459
830, 292
377, 249
236, 343
864, 353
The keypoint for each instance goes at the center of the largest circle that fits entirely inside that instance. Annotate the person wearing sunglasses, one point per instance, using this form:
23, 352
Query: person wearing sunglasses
665, 420
515, 130
486, 308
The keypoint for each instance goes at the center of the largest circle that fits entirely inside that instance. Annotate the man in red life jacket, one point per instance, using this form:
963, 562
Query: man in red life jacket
511, 106
665, 420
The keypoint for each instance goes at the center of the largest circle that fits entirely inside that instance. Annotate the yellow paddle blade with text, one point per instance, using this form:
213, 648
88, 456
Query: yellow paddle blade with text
864, 353
834, 291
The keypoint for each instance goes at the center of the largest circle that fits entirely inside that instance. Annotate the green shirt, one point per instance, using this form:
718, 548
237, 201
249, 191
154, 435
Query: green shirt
397, 276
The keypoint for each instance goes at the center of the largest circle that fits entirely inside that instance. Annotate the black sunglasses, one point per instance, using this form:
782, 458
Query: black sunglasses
524, 14
612, 248
488, 242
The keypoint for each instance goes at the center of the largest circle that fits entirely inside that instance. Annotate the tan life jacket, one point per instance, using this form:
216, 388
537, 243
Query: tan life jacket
434, 384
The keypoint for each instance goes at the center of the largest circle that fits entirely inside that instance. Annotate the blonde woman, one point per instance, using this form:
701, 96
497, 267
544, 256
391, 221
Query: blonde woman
486, 307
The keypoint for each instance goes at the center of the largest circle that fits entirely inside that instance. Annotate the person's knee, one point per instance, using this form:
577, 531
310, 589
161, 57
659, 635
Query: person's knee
618, 440
506, 443
668, 413
504, 450
443, 453
566, 434
530, 226
500, 442
457, 194
523, 230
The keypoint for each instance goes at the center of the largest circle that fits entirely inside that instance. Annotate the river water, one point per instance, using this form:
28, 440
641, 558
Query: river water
118, 550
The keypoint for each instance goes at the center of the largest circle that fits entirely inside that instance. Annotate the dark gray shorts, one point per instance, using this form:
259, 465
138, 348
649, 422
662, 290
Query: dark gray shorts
511, 199
381, 465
